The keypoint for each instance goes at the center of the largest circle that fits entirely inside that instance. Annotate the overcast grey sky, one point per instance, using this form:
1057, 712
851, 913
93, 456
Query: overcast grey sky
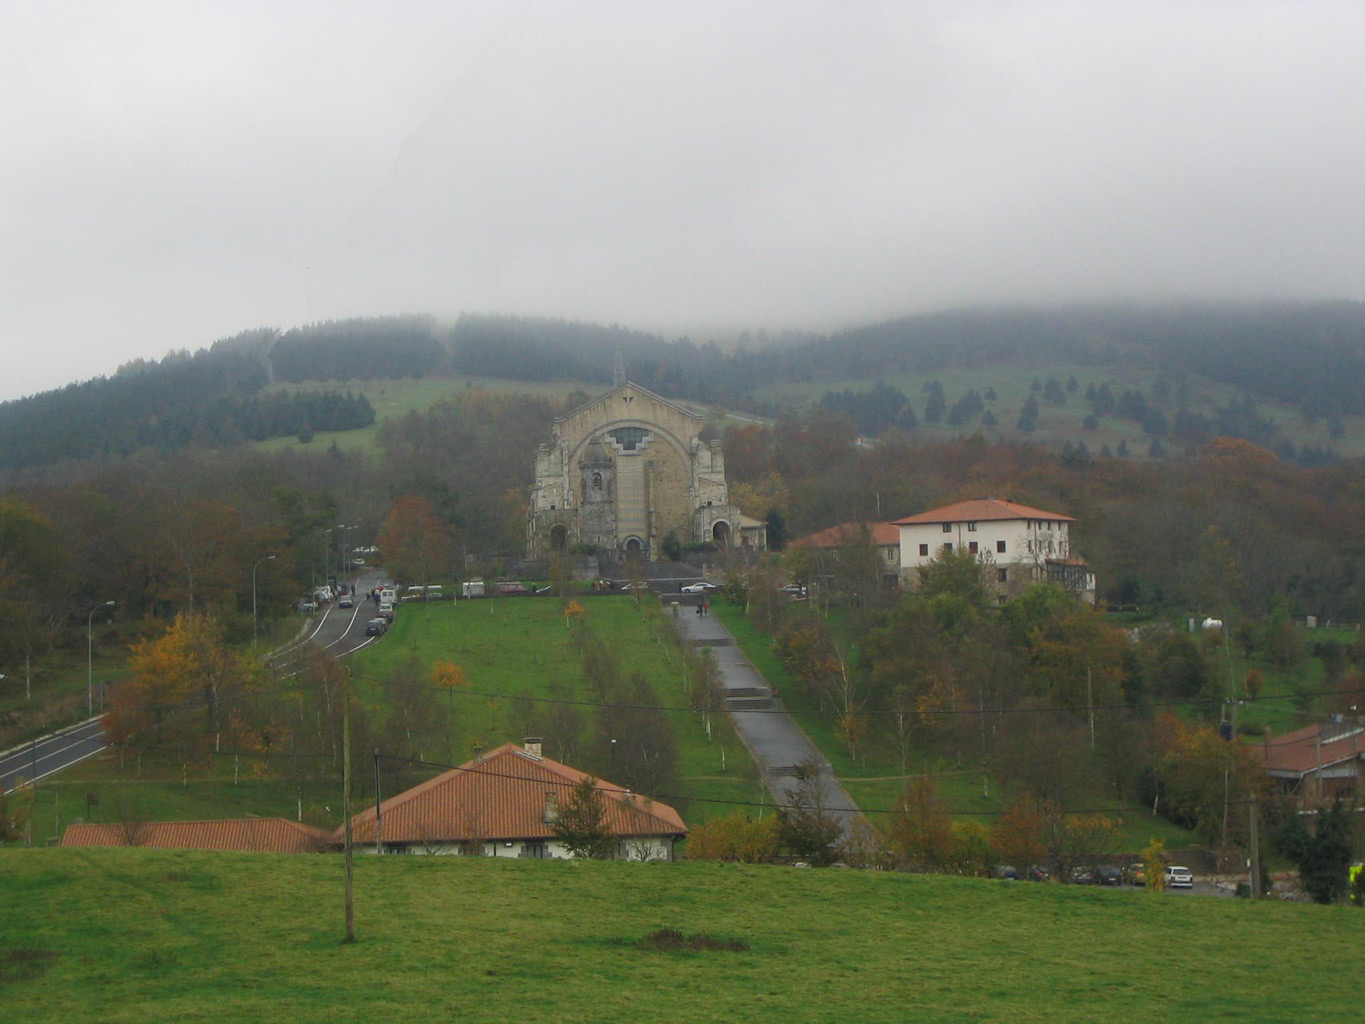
173, 173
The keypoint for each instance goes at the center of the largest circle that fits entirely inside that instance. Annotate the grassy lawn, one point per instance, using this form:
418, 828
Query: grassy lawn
149, 936
1013, 382
516, 648
512, 652
393, 399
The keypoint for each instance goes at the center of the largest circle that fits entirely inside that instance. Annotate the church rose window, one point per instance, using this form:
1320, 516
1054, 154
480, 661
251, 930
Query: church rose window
628, 438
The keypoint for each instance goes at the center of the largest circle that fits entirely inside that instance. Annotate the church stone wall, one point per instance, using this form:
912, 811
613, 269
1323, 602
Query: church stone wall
625, 469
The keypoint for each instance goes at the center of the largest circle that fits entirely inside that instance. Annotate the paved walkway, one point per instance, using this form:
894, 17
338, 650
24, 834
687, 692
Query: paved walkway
774, 739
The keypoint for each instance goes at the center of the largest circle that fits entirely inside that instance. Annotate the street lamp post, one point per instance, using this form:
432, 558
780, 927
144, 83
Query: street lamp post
90, 656
267, 558
344, 559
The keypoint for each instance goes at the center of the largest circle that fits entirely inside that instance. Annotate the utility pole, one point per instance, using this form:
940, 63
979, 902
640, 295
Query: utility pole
378, 818
1255, 850
346, 801
1090, 699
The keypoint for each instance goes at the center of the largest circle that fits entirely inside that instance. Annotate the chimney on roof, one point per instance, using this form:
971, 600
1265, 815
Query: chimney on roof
532, 745
478, 753
551, 813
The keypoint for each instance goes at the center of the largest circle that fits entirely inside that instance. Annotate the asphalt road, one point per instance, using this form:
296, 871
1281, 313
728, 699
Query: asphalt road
339, 630
774, 739
50, 754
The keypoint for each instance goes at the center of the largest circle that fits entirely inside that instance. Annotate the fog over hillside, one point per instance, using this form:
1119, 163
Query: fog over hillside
178, 172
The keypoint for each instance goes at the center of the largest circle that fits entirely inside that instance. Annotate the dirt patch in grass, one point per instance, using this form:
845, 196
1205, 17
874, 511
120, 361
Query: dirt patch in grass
670, 940
24, 964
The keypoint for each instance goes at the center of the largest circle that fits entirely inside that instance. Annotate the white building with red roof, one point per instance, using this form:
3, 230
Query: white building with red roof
1017, 544
505, 804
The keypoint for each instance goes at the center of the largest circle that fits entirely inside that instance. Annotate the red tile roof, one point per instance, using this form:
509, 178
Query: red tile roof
265, 835
1298, 752
981, 510
503, 797
844, 534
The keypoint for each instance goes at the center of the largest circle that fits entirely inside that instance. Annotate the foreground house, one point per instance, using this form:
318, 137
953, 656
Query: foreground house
254, 835
505, 804
1022, 545
1317, 763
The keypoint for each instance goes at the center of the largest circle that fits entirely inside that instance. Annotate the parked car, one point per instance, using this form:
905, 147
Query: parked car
345, 601
1004, 871
512, 588
794, 590
386, 610
377, 627
699, 588
1038, 873
1082, 874
1107, 874
308, 606
1178, 877
1136, 874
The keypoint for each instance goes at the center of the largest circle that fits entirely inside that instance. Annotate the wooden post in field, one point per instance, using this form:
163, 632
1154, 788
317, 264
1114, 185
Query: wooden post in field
346, 800
1255, 851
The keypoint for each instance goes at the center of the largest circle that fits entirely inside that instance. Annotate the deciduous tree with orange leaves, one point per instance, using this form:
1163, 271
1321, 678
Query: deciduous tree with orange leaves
416, 542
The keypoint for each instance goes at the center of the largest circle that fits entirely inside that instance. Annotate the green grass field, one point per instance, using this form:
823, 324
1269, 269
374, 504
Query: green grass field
520, 647
1059, 424
515, 647
393, 399
162, 936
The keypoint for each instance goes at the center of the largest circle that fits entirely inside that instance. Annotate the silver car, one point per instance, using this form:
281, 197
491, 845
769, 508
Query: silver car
1178, 877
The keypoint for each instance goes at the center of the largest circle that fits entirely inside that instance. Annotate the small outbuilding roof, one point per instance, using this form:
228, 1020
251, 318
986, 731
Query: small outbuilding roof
503, 796
259, 835
1301, 752
981, 510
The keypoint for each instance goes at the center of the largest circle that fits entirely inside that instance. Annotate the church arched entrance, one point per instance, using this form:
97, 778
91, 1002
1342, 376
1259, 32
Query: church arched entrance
720, 533
634, 549
559, 537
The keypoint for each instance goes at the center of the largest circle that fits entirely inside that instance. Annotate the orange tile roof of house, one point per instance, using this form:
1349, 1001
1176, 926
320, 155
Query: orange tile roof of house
503, 797
981, 510
1298, 752
262, 835
884, 534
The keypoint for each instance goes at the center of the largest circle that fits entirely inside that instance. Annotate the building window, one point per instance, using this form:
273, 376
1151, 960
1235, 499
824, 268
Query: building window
597, 481
629, 438
1002, 575
971, 527
947, 527
971, 546
999, 598
1000, 547
924, 551
948, 548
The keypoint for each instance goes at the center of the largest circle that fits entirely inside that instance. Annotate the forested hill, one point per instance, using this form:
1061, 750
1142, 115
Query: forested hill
1311, 356
1308, 356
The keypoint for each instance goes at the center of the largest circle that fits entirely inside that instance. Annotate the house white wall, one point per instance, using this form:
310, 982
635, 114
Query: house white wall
1016, 549
1007, 541
629, 848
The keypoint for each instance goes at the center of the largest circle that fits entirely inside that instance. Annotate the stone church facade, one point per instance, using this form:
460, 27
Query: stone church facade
623, 473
